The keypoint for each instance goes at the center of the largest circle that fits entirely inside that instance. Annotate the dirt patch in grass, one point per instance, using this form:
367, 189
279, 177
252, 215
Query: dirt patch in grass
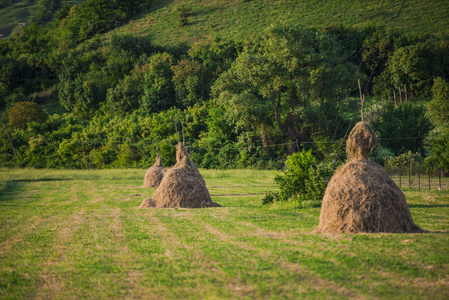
74, 195
432, 289
24, 230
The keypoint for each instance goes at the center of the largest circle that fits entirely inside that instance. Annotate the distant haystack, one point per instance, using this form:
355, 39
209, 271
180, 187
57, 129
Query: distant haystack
361, 197
154, 174
181, 186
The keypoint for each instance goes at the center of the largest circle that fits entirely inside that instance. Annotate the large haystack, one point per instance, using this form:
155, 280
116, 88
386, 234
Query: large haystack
361, 197
182, 186
154, 174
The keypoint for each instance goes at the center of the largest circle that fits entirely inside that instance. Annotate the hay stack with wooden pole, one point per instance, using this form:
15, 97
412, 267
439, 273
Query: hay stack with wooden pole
154, 174
182, 186
361, 197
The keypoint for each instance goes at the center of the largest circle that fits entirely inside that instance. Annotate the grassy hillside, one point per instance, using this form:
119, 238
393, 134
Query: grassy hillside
13, 12
238, 19
79, 234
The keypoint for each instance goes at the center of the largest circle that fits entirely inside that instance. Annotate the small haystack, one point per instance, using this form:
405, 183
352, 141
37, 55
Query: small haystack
154, 174
361, 197
181, 186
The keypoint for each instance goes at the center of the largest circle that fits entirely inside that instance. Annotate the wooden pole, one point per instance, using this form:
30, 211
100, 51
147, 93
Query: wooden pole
9, 137
439, 179
394, 98
362, 99
176, 128
419, 181
183, 136
409, 174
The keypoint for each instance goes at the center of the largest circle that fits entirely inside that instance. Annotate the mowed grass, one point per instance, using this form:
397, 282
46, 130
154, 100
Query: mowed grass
79, 234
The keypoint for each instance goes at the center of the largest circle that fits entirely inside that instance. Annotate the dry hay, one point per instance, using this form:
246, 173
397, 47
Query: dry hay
361, 141
360, 196
154, 174
181, 186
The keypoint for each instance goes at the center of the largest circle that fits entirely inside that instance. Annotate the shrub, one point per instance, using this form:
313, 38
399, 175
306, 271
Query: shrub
26, 112
394, 163
303, 179
293, 180
319, 176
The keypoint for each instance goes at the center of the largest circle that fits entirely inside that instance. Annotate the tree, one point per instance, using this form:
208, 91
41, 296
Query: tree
159, 90
439, 105
439, 112
415, 65
191, 82
26, 112
403, 128
291, 78
83, 95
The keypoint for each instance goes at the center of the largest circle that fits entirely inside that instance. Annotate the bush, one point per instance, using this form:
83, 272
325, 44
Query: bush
302, 179
403, 161
292, 182
319, 177
26, 112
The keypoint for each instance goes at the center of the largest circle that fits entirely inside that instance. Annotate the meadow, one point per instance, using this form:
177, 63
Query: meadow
80, 234
239, 19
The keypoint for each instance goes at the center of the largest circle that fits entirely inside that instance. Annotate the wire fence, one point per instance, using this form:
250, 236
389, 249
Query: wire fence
419, 178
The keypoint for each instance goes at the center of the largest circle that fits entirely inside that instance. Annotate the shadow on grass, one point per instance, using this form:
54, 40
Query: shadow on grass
12, 186
427, 205
6, 188
41, 179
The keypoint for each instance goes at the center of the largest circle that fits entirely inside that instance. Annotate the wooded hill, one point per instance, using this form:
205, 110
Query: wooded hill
248, 82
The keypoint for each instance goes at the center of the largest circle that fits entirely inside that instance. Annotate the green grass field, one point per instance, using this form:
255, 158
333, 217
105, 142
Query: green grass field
79, 234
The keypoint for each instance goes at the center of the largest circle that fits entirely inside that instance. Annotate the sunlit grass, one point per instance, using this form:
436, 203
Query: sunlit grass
79, 234
237, 20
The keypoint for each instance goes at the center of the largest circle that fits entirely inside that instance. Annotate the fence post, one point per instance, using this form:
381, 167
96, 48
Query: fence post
439, 179
409, 175
419, 180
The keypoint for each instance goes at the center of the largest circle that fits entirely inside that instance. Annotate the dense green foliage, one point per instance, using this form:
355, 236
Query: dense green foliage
302, 179
26, 112
245, 103
439, 110
403, 128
